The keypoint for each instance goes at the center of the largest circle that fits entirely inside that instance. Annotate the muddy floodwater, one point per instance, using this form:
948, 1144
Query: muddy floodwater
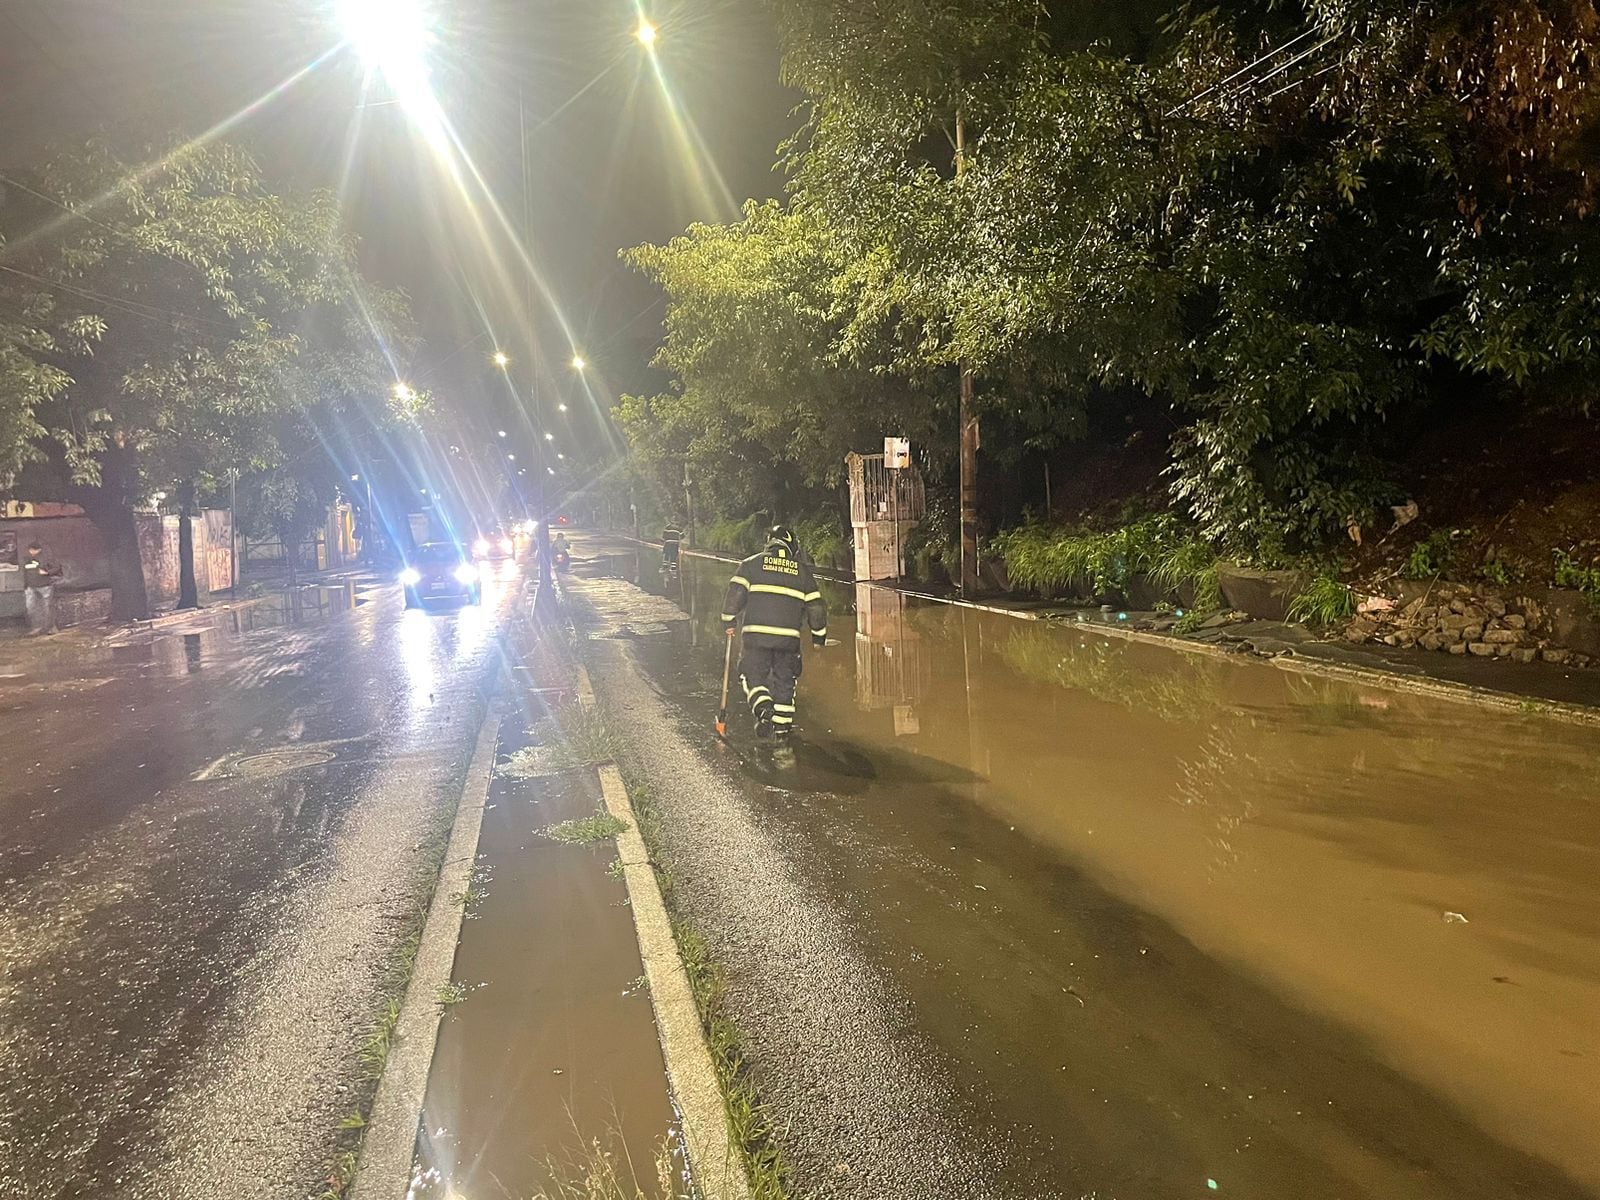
1186, 926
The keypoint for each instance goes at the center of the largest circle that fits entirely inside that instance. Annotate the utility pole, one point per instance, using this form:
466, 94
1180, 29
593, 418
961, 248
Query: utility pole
688, 500
541, 532
969, 431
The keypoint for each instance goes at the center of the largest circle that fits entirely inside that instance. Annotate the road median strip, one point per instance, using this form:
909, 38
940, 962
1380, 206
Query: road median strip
388, 1147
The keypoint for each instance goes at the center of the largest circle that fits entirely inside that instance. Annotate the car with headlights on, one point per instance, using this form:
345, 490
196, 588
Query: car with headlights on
494, 544
440, 570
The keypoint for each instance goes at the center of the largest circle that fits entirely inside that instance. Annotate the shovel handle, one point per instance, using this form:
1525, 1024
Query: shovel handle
727, 673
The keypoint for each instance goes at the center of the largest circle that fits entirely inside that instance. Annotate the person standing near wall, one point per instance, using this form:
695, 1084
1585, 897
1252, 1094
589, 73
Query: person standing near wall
39, 576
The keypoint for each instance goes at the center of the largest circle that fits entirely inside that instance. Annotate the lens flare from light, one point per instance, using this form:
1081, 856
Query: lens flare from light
392, 37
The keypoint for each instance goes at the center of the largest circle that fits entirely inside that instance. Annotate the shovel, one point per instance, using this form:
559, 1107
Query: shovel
727, 674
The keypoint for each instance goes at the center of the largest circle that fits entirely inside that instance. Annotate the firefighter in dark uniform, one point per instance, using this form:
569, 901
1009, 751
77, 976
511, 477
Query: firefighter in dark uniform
777, 596
671, 540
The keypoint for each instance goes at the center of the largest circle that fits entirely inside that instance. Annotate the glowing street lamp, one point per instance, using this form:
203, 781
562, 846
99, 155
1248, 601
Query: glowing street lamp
646, 33
562, 406
549, 437
502, 359
392, 37
501, 432
403, 392
579, 362
512, 457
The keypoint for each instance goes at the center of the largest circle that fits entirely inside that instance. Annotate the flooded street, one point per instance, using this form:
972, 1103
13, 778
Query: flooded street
214, 835
1177, 925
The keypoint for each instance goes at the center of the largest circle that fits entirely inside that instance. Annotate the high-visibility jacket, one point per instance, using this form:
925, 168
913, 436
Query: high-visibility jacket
777, 596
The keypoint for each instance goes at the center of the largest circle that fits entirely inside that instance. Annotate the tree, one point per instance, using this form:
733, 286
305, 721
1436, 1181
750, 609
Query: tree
164, 314
780, 376
1301, 231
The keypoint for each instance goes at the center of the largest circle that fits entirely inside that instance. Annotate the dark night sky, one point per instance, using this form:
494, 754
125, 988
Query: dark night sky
610, 169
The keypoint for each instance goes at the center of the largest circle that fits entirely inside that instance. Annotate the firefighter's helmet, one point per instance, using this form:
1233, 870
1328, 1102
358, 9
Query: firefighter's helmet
781, 536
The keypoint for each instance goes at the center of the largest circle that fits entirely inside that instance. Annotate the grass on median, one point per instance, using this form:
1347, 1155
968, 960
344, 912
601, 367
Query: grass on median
604, 1170
571, 737
584, 831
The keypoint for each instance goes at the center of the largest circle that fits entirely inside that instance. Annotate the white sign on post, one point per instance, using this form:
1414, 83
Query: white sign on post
896, 453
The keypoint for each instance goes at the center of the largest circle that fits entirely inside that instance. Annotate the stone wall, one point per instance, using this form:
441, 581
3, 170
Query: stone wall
1556, 625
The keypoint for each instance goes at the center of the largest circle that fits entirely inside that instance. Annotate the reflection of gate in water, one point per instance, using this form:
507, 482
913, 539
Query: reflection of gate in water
892, 660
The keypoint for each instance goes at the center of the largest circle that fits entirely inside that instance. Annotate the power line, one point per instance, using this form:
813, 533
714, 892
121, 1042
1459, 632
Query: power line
1282, 67
1198, 96
1250, 85
1296, 83
136, 308
61, 204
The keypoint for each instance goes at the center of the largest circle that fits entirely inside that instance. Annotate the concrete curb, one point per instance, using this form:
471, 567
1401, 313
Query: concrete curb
716, 1161
390, 1143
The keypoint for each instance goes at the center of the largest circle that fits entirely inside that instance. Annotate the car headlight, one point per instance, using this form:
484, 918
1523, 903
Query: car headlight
481, 546
507, 545
411, 577
466, 573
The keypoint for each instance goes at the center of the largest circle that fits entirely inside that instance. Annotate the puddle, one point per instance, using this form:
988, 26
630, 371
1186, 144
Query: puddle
1181, 921
554, 1043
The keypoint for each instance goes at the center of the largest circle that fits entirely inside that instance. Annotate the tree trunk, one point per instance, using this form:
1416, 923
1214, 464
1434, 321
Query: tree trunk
969, 431
291, 553
110, 508
188, 590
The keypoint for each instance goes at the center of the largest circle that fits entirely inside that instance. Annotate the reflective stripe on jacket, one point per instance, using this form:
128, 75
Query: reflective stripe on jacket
37, 573
778, 598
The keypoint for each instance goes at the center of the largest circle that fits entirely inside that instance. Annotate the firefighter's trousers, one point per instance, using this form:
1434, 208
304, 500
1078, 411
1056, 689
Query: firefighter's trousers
768, 677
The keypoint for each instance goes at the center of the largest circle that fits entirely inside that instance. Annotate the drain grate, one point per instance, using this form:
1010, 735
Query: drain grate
275, 762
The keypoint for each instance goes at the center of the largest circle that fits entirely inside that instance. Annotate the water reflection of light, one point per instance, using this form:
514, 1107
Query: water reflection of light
416, 655
475, 621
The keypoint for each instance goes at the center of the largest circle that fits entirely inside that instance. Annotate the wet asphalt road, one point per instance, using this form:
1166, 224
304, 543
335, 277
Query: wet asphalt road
1029, 912
209, 842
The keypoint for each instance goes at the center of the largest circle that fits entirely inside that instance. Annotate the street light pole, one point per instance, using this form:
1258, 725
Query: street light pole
541, 533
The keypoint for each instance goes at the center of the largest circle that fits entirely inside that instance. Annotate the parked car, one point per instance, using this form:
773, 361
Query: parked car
440, 570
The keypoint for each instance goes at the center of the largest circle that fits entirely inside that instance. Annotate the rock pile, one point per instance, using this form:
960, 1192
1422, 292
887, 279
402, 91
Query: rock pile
1461, 619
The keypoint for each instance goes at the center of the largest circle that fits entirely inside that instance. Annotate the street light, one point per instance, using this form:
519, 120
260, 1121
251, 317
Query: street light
502, 432
392, 37
512, 457
578, 362
646, 33
549, 437
501, 358
402, 392
562, 406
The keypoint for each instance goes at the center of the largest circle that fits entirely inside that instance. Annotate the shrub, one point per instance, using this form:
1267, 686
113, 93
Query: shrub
1432, 556
824, 540
742, 538
1325, 601
1569, 572
1052, 560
